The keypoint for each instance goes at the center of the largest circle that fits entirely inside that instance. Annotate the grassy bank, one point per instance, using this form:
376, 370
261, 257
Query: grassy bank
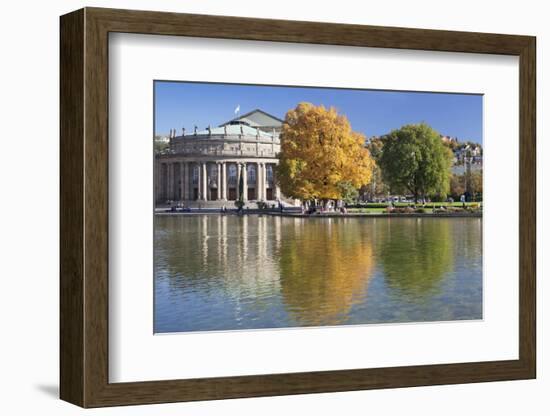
429, 208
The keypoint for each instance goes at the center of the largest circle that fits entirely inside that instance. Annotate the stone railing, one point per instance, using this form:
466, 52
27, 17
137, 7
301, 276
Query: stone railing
246, 149
227, 137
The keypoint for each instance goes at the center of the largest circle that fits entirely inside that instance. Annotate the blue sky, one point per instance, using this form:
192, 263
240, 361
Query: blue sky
371, 112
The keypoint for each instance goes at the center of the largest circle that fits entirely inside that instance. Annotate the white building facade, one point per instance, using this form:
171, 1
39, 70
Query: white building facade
205, 167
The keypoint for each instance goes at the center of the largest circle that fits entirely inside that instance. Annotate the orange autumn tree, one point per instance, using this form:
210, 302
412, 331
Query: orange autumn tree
321, 156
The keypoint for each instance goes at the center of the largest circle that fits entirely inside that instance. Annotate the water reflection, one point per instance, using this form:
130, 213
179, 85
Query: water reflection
325, 269
415, 255
225, 272
217, 253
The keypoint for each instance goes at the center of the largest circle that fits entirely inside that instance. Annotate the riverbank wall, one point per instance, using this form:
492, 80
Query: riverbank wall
324, 215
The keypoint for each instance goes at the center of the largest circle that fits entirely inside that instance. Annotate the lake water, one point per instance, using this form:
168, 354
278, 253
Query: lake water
216, 272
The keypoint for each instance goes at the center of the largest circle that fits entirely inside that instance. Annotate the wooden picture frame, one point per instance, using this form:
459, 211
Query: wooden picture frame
84, 207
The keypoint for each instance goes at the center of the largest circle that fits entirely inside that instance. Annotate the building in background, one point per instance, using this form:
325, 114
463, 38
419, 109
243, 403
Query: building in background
466, 155
204, 167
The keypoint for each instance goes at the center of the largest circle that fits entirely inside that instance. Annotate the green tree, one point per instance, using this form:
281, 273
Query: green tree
375, 147
377, 186
457, 186
476, 184
460, 184
348, 193
415, 160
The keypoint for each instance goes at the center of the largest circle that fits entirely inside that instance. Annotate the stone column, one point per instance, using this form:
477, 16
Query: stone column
219, 166
245, 182
204, 182
187, 194
258, 181
158, 180
174, 181
167, 182
167, 195
182, 182
239, 171
170, 175
277, 193
224, 181
199, 180
264, 180
208, 197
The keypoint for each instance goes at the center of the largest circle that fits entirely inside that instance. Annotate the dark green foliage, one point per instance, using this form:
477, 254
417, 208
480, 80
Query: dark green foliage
413, 159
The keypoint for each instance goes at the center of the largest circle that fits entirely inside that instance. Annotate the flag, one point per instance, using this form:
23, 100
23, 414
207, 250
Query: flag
238, 109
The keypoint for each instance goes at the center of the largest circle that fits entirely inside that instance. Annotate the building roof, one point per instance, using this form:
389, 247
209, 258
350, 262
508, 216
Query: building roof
257, 118
232, 129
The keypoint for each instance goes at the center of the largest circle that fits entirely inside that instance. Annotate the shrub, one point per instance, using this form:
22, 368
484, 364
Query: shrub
402, 210
369, 205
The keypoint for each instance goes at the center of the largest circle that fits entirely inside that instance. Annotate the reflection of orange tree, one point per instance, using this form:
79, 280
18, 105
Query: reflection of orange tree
324, 272
415, 258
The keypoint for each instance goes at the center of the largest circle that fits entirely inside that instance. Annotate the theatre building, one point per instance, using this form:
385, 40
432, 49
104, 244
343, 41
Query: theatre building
204, 167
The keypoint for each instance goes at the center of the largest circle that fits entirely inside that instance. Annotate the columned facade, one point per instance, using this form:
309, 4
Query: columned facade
214, 180
206, 167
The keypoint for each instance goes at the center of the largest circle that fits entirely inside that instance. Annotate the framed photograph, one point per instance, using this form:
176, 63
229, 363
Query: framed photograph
254, 207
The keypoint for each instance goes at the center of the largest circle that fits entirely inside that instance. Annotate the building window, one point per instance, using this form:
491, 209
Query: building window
269, 173
213, 171
232, 174
251, 177
196, 174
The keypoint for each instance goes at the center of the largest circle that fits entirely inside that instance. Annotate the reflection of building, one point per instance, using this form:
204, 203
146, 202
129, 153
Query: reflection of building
207, 165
